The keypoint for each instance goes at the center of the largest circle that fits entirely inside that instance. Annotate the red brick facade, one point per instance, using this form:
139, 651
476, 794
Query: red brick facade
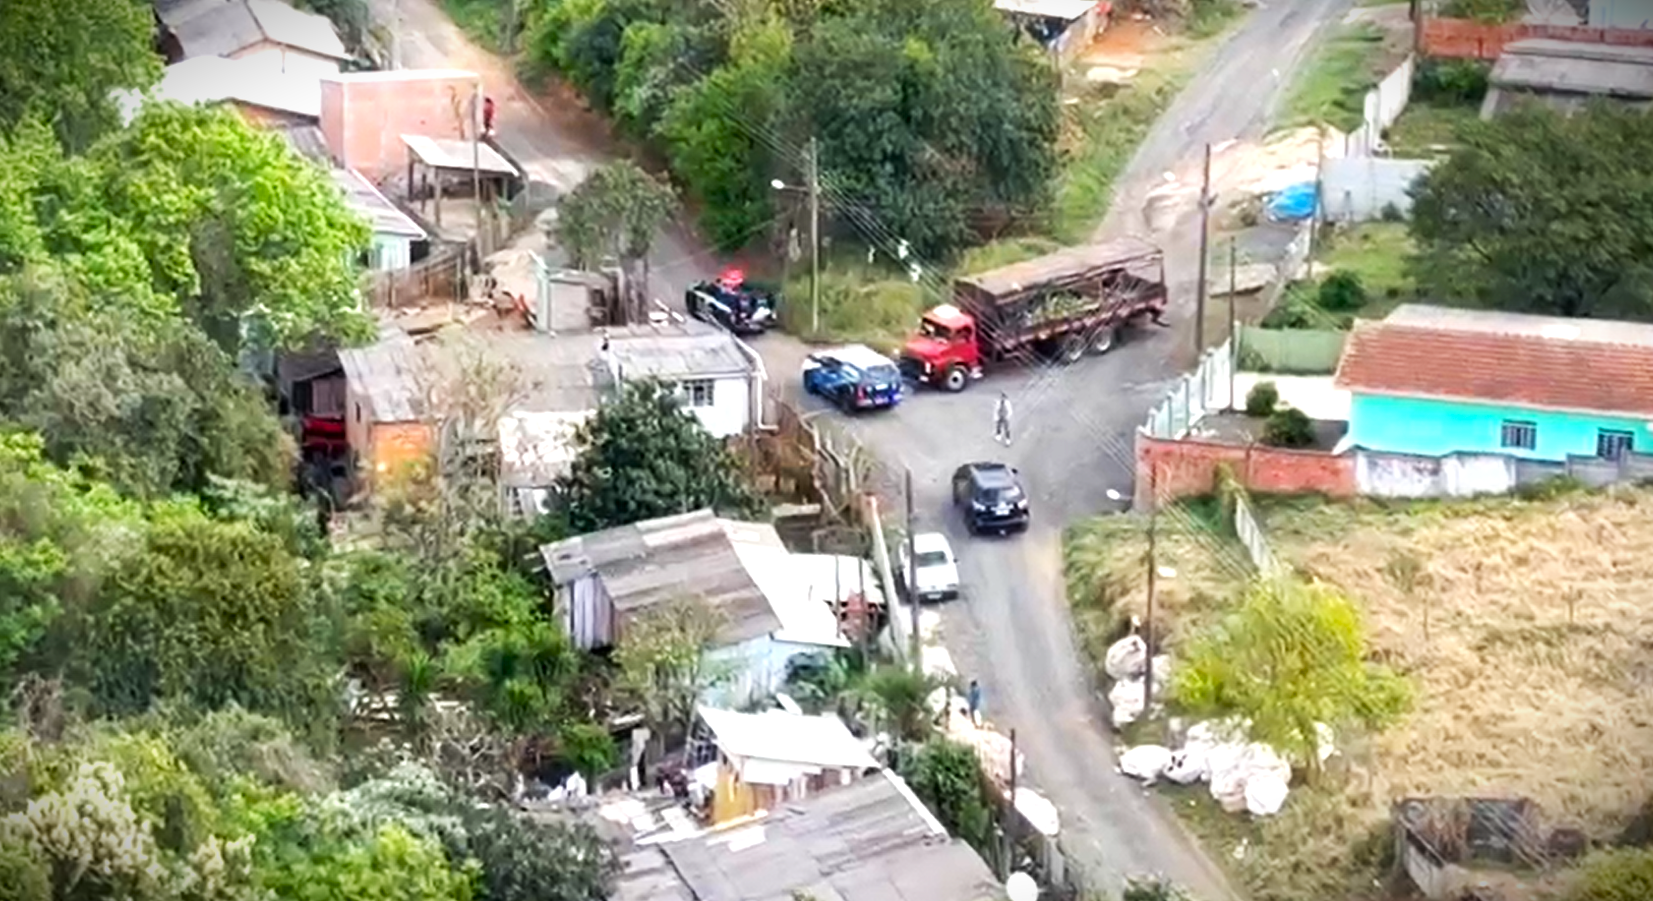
1188, 468
1468, 39
365, 114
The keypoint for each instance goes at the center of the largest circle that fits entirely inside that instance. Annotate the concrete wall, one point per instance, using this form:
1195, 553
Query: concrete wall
1299, 351
1436, 428
1382, 106
1171, 469
1194, 395
365, 114
1469, 475
1358, 189
730, 412
1467, 39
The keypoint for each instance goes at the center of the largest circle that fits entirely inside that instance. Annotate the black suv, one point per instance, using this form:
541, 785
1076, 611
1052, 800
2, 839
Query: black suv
991, 497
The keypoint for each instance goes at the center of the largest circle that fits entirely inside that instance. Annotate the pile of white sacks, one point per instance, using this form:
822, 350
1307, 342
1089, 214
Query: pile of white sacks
1243, 775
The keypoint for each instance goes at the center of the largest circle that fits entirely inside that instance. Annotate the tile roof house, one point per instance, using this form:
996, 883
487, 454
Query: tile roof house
872, 840
270, 34
1433, 381
769, 611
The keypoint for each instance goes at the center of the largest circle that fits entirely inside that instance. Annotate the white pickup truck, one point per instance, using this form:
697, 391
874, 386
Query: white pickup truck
937, 573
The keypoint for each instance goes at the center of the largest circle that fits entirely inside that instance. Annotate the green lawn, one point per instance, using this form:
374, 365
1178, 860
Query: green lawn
1378, 253
1331, 90
1428, 129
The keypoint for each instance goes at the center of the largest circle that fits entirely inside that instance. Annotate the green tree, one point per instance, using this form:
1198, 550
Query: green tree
1154, 889
947, 776
526, 860
614, 213
209, 611
65, 61
715, 132
663, 665
159, 407
1291, 655
644, 456
1543, 213
1621, 874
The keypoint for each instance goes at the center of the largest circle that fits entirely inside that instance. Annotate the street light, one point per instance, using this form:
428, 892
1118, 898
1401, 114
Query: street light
814, 191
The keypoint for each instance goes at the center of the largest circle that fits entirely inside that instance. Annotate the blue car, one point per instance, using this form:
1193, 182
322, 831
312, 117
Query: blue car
855, 377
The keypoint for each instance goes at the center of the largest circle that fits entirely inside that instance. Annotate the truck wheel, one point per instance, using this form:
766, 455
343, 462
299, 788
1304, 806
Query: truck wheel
1105, 340
1072, 349
955, 379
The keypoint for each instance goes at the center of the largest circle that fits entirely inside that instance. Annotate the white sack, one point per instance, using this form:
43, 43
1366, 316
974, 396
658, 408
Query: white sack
1265, 794
1145, 762
1126, 700
1126, 658
1189, 765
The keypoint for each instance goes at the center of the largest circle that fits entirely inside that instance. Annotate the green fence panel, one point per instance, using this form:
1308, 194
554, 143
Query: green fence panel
1294, 351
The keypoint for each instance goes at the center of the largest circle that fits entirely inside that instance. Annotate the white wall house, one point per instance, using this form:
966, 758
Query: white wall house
394, 232
720, 380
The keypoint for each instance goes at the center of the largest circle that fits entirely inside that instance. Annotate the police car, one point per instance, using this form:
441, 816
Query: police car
854, 377
732, 302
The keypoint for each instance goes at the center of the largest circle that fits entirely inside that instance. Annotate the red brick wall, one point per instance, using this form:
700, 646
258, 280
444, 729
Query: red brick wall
365, 114
1467, 39
1187, 468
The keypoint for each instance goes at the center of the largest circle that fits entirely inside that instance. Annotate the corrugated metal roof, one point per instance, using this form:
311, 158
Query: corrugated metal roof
557, 372
309, 141
214, 79
218, 31
868, 841
1503, 358
818, 741
452, 153
296, 28
387, 374
672, 559
1067, 263
384, 217
676, 351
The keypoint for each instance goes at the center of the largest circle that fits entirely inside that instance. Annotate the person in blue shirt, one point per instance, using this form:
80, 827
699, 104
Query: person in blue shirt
973, 698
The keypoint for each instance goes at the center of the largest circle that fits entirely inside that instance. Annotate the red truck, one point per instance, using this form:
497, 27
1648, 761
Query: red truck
1059, 305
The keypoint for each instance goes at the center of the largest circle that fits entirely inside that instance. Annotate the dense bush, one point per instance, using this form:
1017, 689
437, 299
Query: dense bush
1288, 427
1450, 81
1341, 292
931, 116
1262, 399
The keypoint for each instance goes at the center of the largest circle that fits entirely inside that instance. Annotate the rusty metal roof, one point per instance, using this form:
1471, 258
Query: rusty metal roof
387, 373
1069, 262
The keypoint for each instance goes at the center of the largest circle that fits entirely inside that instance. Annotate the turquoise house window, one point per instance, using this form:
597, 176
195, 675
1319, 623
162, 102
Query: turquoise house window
1521, 434
1611, 444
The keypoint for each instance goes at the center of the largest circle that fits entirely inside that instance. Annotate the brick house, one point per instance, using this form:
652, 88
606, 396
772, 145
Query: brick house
365, 114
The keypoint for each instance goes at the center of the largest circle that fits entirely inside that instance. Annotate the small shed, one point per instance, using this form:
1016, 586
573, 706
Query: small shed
384, 403
394, 232
1065, 28
436, 163
766, 760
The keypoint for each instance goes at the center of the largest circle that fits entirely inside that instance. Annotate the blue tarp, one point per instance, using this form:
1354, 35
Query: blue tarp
1291, 204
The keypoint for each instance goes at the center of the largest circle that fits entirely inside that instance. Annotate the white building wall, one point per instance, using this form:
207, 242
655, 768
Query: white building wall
392, 253
730, 412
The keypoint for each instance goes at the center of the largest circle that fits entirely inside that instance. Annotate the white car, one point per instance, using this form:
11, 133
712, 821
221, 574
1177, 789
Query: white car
937, 572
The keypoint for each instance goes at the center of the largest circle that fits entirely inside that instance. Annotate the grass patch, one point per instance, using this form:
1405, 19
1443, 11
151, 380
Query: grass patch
1525, 643
483, 21
1378, 252
1331, 90
860, 304
1426, 130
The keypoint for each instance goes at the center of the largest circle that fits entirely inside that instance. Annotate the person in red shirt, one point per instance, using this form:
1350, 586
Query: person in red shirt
488, 116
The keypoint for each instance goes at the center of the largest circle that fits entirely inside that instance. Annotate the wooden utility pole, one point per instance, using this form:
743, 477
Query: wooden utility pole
1205, 239
1233, 320
476, 151
912, 576
1153, 573
814, 237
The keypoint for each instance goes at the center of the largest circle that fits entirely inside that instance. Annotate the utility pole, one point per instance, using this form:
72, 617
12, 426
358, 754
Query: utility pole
912, 576
1153, 572
476, 150
1233, 320
815, 239
1205, 238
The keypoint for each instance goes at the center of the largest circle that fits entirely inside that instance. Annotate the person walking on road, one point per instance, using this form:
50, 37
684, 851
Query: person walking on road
973, 699
1001, 420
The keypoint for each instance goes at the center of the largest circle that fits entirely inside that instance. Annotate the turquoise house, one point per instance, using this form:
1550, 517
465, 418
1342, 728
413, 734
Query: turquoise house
1433, 381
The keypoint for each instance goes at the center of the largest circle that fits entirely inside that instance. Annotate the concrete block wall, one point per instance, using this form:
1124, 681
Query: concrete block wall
1169, 469
365, 114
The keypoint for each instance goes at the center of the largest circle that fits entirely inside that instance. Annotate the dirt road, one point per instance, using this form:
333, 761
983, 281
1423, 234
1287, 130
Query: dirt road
1074, 428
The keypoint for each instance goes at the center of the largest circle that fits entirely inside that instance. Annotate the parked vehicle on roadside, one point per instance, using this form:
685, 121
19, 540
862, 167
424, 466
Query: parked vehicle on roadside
732, 302
1059, 306
854, 377
991, 498
933, 567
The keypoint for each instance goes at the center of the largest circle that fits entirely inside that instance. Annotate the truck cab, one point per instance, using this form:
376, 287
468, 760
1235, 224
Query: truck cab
945, 350
1059, 307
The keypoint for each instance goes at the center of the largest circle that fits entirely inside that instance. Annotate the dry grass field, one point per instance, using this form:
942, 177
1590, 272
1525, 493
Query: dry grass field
1527, 632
